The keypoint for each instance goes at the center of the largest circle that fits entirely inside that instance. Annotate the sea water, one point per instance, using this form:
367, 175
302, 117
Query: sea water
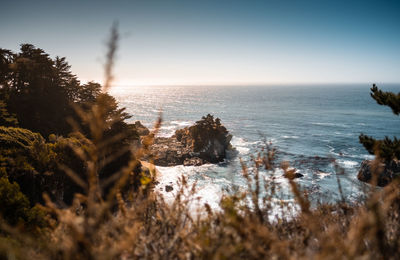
313, 127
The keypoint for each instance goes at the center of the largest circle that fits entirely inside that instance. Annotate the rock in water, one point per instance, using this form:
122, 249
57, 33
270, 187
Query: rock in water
168, 188
195, 161
386, 171
141, 129
208, 137
207, 141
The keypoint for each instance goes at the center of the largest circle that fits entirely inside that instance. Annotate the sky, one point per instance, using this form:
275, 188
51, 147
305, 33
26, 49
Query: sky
215, 42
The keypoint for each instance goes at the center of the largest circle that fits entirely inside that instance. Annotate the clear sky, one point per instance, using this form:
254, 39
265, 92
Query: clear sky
215, 42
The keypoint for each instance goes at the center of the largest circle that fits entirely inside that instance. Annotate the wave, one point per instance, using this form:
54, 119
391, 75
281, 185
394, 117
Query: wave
348, 164
350, 153
290, 137
166, 131
330, 124
322, 175
368, 156
182, 123
207, 191
241, 145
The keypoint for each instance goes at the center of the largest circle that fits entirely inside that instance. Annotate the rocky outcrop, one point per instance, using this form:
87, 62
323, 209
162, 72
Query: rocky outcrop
207, 141
169, 151
141, 129
386, 171
293, 175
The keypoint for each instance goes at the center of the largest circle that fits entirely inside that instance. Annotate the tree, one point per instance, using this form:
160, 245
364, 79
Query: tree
6, 58
386, 149
43, 95
48, 99
32, 87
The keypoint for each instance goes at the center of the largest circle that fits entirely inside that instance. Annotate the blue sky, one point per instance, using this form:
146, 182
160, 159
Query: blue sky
216, 42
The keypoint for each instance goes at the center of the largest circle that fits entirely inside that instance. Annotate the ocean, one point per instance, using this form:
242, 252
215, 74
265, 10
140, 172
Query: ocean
313, 127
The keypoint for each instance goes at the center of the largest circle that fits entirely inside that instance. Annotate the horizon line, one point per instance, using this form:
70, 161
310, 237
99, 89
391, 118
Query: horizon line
266, 84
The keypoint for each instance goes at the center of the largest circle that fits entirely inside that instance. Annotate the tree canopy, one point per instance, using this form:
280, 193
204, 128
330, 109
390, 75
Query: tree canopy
43, 94
40, 98
386, 99
386, 149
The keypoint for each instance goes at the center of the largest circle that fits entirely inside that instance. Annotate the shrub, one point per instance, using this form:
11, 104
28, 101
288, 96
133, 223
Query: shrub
15, 207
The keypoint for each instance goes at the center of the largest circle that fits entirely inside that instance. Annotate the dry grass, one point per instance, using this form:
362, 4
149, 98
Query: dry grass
145, 226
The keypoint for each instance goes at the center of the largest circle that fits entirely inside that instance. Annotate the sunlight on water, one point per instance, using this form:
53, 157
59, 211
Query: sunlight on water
309, 126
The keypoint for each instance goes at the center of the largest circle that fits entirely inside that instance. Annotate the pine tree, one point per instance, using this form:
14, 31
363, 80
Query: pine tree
386, 149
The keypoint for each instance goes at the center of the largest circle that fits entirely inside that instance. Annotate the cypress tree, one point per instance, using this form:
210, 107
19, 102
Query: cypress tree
386, 149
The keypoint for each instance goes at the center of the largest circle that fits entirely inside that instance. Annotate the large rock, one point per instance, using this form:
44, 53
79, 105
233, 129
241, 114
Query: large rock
207, 141
169, 151
141, 129
386, 171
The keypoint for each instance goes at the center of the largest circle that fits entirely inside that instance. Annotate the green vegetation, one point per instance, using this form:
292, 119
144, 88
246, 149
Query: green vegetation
386, 149
41, 94
15, 208
6, 118
34, 164
44, 95
205, 129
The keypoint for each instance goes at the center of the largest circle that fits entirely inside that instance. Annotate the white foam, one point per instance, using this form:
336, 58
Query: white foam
166, 131
210, 190
322, 175
242, 146
238, 141
290, 137
329, 124
368, 157
207, 192
210, 194
182, 123
348, 164
242, 150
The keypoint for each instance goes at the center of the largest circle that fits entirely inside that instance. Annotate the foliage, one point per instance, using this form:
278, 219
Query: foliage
387, 149
44, 95
204, 130
386, 99
43, 167
22, 151
32, 88
25, 158
148, 227
15, 208
6, 119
